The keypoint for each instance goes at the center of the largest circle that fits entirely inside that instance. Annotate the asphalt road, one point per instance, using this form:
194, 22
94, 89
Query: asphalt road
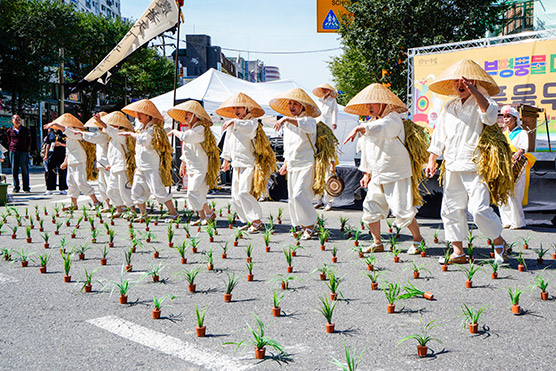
49, 324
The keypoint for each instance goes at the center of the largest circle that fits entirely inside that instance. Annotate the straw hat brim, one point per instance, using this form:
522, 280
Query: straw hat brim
91, 123
143, 106
69, 121
178, 112
239, 100
319, 91
280, 102
374, 93
118, 120
469, 69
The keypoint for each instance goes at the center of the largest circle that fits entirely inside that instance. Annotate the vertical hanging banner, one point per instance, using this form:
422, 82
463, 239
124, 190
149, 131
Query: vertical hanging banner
160, 16
329, 14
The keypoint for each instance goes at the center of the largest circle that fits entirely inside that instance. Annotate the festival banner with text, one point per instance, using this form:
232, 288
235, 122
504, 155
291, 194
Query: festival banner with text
525, 72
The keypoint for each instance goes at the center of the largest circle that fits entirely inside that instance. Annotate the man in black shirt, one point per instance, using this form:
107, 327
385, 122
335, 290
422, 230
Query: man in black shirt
54, 157
19, 142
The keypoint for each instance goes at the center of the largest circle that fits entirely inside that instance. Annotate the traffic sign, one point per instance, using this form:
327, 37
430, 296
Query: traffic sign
329, 14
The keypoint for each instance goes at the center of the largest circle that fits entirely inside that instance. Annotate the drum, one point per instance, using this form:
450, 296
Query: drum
334, 186
518, 166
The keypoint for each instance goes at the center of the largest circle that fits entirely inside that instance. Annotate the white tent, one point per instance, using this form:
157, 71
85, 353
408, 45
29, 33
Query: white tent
214, 87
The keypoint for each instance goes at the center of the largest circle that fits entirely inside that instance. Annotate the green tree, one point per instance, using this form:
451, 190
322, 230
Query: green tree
375, 40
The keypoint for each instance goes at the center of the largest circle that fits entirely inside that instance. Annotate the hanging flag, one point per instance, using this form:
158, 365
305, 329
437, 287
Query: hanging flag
160, 16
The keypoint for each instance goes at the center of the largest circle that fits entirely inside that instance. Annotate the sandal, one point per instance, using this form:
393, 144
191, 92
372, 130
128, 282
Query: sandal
459, 259
307, 234
375, 248
500, 258
141, 219
172, 218
255, 228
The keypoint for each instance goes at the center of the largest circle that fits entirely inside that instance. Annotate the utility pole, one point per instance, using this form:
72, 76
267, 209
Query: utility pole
61, 94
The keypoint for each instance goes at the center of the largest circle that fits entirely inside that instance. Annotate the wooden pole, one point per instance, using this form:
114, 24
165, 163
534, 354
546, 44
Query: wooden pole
176, 60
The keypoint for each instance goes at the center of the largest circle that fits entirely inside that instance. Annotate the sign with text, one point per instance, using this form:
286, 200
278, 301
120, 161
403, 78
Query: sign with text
329, 13
525, 72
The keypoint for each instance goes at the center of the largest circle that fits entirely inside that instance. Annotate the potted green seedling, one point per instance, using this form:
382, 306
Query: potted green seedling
231, 220
327, 310
284, 281
67, 257
81, 251
181, 249
279, 217
412, 291
469, 273
231, 284
73, 233
127, 256
355, 237
373, 276
250, 275
352, 361
495, 267
471, 317
395, 250
525, 242
288, 255
470, 246
294, 249
514, 297
58, 226
276, 300
392, 293
416, 269
542, 285
554, 248
170, 233
446, 259
333, 283
224, 248
44, 258
334, 253
92, 223
359, 250
209, 258
266, 237
104, 254
194, 243
24, 257
122, 286
94, 234
390, 224
323, 271
210, 232
248, 252
190, 278
435, 236
87, 284
14, 231
423, 338
343, 223
46, 236
259, 341
158, 305
154, 272
270, 225
521, 266
111, 236
540, 254
200, 315
324, 234
28, 233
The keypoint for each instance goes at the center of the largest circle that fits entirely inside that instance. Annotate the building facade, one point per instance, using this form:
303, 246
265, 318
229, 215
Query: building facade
106, 8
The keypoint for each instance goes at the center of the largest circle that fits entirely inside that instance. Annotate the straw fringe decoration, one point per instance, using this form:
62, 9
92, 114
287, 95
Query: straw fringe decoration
91, 151
327, 152
417, 143
213, 154
265, 163
164, 149
130, 164
494, 164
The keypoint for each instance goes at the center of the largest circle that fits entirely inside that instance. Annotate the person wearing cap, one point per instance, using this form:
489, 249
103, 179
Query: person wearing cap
76, 158
119, 154
456, 137
199, 148
511, 213
238, 150
100, 139
300, 135
152, 158
329, 115
385, 162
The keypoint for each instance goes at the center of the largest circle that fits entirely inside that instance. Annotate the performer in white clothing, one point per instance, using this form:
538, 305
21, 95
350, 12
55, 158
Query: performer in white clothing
76, 158
199, 157
239, 150
299, 150
385, 162
329, 115
456, 137
101, 140
121, 159
153, 158
512, 212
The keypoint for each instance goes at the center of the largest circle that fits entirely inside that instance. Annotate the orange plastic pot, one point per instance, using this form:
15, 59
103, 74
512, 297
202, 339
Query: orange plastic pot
227, 298
276, 311
473, 328
390, 308
468, 284
544, 295
521, 267
330, 328
191, 287
201, 331
67, 278
444, 268
494, 276
374, 285
88, 287
422, 351
428, 295
323, 276
156, 313
289, 269
260, 353
123, 299
416, 275
516, 309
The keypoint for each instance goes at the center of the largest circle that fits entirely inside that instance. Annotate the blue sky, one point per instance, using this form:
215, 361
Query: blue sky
264, 25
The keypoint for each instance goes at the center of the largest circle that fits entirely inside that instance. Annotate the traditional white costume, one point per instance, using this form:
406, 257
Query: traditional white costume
329, 115
77, 166
101, 140
118, 192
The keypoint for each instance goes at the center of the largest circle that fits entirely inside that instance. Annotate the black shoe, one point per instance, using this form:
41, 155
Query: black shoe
15, 191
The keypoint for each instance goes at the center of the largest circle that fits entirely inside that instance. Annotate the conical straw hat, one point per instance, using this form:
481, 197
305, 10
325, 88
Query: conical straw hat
320, 90
374, 93
444, 83
69, 121
118, 120
280, 102
91, 123
239, 100
143, 106
178, 112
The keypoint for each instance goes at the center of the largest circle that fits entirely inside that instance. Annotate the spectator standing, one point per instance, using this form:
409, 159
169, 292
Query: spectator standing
19, 142
54, 157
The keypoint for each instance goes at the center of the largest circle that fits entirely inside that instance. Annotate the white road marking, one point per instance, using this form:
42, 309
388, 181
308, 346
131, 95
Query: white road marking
6, 279
167, 344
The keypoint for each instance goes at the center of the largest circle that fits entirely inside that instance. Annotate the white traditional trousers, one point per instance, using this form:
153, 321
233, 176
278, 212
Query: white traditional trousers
300, 197
396, 196
512, 213
117, 192
466, 190
246, 206
77, 181
102, 181
148, 182
196, 189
